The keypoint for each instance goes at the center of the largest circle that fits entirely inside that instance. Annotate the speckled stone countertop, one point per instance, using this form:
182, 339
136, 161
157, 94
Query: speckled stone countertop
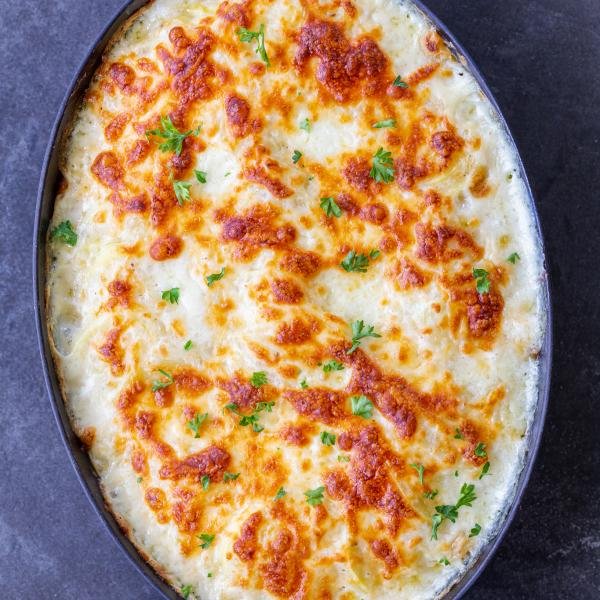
541, 58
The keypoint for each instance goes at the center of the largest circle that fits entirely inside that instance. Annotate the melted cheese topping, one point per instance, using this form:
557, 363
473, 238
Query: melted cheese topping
451, 378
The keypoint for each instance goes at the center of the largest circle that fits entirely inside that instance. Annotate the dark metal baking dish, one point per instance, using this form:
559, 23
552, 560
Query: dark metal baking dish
79, 458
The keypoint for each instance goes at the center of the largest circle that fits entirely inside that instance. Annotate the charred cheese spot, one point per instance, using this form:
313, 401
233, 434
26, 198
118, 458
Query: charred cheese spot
203, 324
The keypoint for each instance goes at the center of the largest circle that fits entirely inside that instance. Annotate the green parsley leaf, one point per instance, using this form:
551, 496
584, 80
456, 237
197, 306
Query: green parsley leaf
305, 124
182, 191
206, 539
245, 35
172, 136
355, 263
196, 423
296, 156
200, 176
280, 494
431, 494
186, 590
258, 378
359, 331
484, 470
420, 469
187, 345
205, 481
513, 258
374, 253
333, 365
327, 439
210, 279
171, 295
251, 419
475, 530
159, 385
382, 169
480, 450
314, 497
450, 511
330, 207
139, 479
482, 281
303, 384
361, 406
230, 476
343, 458
384, 124
399, 83
444, 561
458, 434
455, 473
209, 574
65, 233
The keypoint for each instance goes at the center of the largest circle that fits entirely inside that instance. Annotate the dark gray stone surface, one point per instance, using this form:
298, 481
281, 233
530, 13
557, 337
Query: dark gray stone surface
541, 59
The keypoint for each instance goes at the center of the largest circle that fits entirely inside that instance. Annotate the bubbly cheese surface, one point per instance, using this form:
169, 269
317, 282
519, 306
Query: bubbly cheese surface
342, 411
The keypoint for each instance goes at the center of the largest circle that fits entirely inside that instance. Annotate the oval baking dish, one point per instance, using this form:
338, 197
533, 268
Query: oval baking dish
50, 180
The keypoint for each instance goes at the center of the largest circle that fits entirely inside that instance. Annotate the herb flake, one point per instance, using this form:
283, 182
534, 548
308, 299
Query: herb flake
245, 35
65, 233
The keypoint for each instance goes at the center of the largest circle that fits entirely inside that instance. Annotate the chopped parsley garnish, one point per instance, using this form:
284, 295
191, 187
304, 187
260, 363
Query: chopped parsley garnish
327, 439
480, 450
359, 331
139, 479
182, 191
343, 458
444, 561
399, 83
65, 233
210, 279
172, 136
186, 590
458, 434
330, 207
200, 176
230, 476
314, 497
382, 169
361, 406
333, 365
355, 263
196, 423
513, 258
374, 253
484, 470
475, 530
206, 539
420, 469
296, 156
188, 345
159, 385
384, 124
205, 481
450, 511
303, 384
305, 124
431, 494
280, 494
258, 378
209, 574
482, 281
171, 295
245, 35
251, 419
